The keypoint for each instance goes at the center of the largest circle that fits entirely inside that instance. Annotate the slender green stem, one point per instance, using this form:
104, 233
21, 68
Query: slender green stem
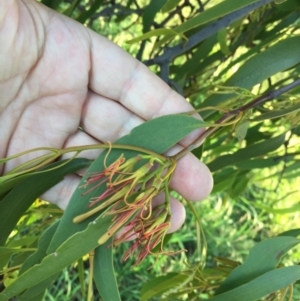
91, 276
43, 160
196, 143
270, 95
114, 146
202, 251
208, 108
79, 149
2, 161
80, 268
33, 169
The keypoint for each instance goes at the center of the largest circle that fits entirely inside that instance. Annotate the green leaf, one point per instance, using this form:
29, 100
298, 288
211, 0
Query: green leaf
39, 297
223, 185
277, 114
88, 13
155, 33
104, 275
257, 163
254, 135
38, 290
36, 258
224, 180
198, 151
170, 5
248, 152
5, 254
262, 286
71, 250
285, 20
213, 13
296, 130
7, 185
150, 12
241, 129
40, 253
222, 38
159, 285
193, 64
81, 269
267, 63
54, 4
251, 52
71, 8
260, 67
240, 184
23, 241
288, 5
19, 199
293, 167
7, 250
292, 176
293, 232
289, 210
262, 258
279, 1
290, 172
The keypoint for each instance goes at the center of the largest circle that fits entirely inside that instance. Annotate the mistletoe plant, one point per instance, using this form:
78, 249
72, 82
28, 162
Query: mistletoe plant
116, 192
229, 59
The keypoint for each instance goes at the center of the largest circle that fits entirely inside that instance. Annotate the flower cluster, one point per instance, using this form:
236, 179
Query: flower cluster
130, 186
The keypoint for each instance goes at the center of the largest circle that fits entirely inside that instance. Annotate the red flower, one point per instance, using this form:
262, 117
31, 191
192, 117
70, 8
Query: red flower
129, 194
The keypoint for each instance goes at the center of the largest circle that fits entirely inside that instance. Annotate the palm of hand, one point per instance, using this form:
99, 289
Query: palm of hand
57, 75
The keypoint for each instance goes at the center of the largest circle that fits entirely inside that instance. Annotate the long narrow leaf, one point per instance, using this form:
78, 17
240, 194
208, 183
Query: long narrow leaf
104, 275
19, 199
71, 250
262, 286
262, 258
246, 153
260, 67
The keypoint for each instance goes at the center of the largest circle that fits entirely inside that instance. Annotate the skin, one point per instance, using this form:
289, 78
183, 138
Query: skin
57, 75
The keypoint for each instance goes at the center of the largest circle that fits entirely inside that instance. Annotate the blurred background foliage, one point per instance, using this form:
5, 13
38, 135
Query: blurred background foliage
255, 163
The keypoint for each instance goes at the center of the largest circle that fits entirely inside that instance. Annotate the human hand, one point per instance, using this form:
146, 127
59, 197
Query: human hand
57, 75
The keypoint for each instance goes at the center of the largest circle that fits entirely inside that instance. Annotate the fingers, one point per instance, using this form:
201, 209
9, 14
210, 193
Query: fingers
192, 178
177, 209
178, 215
106, 119
130, 83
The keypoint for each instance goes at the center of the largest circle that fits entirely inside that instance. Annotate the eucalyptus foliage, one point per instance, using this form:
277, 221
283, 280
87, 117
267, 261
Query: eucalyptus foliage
238, 64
